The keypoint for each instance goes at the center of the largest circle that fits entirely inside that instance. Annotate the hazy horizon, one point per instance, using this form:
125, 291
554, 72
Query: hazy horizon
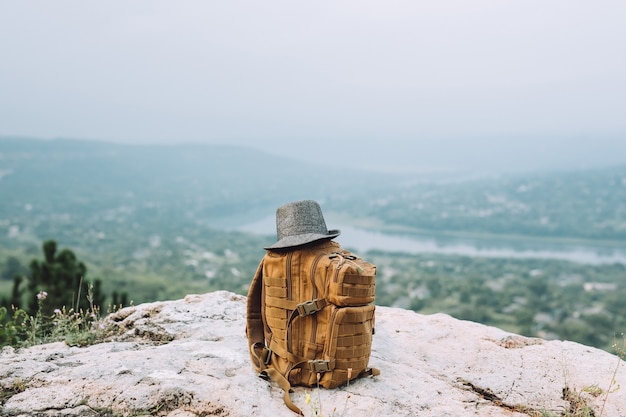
431, 157
393, 85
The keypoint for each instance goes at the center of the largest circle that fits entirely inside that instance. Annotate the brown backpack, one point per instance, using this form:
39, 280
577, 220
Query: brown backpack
310, 317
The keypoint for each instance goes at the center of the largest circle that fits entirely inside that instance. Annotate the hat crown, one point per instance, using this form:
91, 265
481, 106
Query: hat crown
300, 218
300, 223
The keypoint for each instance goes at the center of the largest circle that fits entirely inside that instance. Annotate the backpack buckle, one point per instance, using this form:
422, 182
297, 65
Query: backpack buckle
308, 307
319, 365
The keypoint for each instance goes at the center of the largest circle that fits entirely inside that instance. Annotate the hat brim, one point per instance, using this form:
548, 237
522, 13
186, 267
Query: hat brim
303, 239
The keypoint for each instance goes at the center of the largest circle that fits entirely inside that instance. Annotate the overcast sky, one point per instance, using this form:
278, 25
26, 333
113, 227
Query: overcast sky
412, 82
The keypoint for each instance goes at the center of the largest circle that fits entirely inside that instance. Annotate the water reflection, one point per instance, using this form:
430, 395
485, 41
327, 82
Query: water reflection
362, 241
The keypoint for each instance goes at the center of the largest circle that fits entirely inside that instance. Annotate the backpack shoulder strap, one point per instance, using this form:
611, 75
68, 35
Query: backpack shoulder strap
254, 320
260, 355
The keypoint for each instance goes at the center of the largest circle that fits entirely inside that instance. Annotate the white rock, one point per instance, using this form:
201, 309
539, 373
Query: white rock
189, 357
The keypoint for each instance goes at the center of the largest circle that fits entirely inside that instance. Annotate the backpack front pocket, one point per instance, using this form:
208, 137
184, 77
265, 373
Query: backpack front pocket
348, 344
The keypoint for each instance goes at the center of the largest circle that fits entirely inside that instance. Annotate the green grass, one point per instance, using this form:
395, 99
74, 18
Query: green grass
76, 328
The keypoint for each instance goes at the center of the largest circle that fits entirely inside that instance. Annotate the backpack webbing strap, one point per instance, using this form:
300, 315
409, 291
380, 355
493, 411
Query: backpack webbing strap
306, 308
285, 385
282, 351
281, 303
254, 320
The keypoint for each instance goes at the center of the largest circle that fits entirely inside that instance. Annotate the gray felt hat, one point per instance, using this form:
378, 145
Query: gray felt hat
299, 223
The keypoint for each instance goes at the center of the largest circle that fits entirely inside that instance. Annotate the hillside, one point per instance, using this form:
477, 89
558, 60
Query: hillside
202, 182
101, 184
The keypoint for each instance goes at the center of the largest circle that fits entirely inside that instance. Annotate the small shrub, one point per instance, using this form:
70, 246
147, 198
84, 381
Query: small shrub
13, 328
76, 328
578, 407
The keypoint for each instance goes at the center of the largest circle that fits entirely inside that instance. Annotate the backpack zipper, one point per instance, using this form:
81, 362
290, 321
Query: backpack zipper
312, 276
331, 327
288, 276
289, 296
343, 259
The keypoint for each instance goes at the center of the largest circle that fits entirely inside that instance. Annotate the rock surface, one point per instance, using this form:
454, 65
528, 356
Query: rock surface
189, 357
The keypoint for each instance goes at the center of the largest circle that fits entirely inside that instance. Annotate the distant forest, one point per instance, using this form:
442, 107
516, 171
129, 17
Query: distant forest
157, 222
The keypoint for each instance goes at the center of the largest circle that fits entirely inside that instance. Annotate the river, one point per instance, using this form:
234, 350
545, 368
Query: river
361, 241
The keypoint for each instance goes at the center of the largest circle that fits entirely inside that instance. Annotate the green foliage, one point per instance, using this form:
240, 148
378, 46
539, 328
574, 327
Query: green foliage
534, 297
76, 328
12, 327
578, 406
56, 310
12, 268
566, 205
60, 274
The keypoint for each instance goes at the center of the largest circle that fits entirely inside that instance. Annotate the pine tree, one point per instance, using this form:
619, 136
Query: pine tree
63, 279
